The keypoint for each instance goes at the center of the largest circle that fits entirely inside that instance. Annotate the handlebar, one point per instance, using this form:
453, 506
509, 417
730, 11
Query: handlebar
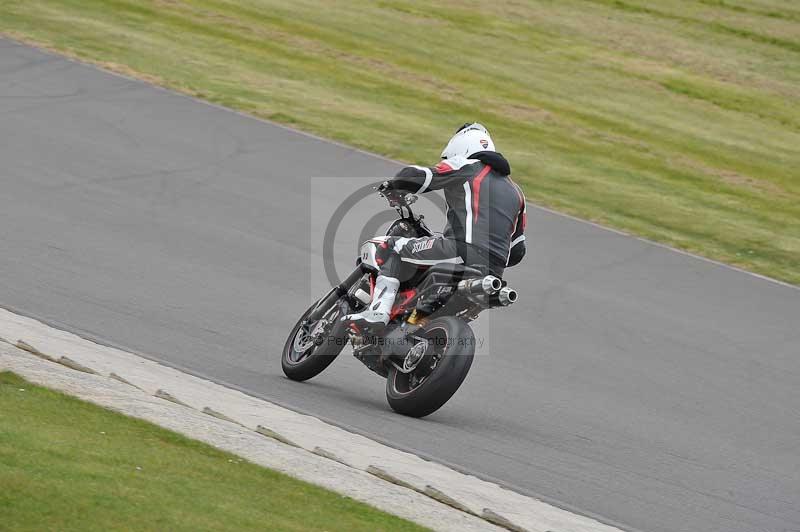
396, 198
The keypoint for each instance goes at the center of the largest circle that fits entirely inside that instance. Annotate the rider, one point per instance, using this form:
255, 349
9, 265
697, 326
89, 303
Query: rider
485, 217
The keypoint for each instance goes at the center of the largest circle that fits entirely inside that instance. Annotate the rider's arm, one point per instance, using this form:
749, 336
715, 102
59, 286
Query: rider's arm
420, 179
517, 250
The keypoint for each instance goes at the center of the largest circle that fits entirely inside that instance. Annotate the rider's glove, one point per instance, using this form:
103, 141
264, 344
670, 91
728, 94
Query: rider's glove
388, 190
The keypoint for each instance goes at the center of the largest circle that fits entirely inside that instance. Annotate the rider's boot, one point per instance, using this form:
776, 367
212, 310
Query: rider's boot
380, 309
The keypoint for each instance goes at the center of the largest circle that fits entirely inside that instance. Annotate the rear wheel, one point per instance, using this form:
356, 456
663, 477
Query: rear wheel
433, 369
313, 345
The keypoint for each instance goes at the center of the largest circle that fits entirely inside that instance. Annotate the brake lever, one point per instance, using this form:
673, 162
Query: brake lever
385, 191
383, 187
395, 200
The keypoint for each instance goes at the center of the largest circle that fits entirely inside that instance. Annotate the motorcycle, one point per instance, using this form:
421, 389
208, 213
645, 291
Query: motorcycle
426, 350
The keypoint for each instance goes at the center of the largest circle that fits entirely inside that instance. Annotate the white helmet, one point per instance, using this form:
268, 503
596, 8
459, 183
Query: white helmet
469, 139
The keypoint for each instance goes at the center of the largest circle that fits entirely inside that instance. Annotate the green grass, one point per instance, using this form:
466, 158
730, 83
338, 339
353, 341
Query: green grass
676, 120
70, 465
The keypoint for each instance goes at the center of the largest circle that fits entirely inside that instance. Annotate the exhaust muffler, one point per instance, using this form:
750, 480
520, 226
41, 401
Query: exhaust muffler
482, 286
503, 298
487, 291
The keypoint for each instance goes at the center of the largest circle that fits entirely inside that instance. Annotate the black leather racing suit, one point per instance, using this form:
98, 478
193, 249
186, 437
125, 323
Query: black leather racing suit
486, 214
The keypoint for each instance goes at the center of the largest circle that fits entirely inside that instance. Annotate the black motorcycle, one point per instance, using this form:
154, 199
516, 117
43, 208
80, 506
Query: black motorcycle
427, 348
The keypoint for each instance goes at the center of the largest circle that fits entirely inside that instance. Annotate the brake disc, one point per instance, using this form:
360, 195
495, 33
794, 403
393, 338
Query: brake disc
303, 341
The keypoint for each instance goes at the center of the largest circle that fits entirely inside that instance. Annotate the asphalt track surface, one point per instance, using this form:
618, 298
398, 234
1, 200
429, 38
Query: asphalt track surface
653, 389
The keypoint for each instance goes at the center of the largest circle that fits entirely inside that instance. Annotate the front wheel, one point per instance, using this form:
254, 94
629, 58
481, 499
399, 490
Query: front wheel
313, 345
433, 369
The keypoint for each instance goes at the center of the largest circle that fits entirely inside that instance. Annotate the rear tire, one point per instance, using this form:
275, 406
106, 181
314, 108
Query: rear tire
450, 351
301, 366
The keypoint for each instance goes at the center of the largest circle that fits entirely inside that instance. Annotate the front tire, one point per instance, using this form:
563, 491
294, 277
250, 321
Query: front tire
300, 360
440, 372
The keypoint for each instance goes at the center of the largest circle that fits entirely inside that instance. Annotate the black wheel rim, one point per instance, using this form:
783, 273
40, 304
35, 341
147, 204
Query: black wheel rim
306, 338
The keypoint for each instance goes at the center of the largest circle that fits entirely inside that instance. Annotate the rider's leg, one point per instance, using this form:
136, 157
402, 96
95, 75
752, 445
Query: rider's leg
430, 250
425, 251
386, 285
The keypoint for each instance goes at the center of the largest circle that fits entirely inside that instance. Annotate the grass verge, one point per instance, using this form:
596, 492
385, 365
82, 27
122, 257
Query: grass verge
70, 465
679, 122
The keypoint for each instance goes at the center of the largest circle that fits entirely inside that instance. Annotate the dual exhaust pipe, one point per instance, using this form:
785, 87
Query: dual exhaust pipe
487, 291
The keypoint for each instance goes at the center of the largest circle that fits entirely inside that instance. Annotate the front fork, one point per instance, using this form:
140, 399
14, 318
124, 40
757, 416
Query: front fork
337, 292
